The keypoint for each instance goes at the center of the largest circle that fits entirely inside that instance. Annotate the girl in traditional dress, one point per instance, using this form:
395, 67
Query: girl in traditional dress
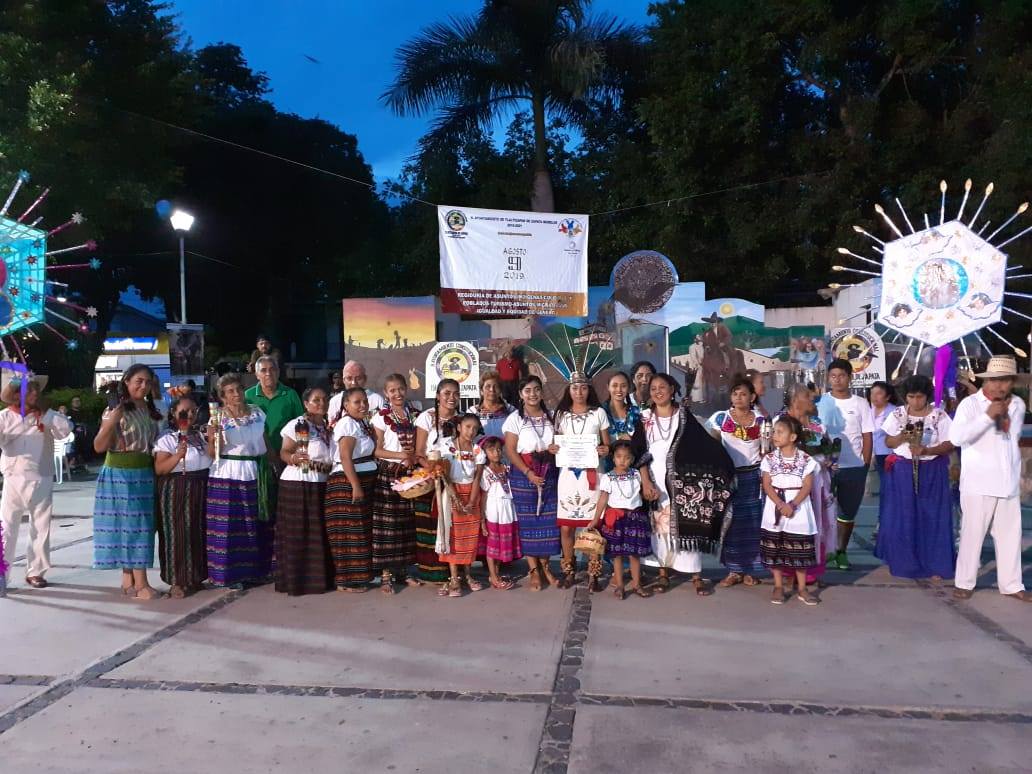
394, 528
579, 414
642, 373
623, 414
349, 490
181, 462
123, 511
433, 426
500, 526
788, 537
492, 409
302, 550
738, 429
675, 454
533, 478
915, 537
238, 518
459, 547
624, 519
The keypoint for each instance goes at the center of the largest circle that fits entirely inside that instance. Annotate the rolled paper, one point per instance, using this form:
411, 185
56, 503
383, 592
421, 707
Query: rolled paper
75, 220
22, 177
55, 331
90, 245
34, 205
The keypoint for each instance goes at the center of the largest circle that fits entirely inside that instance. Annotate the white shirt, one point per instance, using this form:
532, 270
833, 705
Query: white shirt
990, 461
936, 429
376, 402
744, 453
28, 454
591, 423
848, 419
391, 441
660, 432
533, 434
244, 437
789, 474
463, 464
196, 456
319, 450
624, 490
364, 445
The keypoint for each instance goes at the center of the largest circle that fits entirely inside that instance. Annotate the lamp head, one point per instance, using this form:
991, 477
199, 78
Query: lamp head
181, 220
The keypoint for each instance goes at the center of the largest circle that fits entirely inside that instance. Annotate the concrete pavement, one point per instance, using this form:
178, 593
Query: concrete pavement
884, 675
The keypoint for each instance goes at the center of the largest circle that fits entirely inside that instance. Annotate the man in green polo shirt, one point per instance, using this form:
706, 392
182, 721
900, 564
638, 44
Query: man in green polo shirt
279, 402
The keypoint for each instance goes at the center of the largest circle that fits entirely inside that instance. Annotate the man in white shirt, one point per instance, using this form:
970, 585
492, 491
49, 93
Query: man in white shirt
847, 417
27, 443
987, 428
354, 376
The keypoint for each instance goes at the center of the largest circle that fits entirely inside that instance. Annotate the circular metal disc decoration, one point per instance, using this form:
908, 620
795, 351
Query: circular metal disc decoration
643, 281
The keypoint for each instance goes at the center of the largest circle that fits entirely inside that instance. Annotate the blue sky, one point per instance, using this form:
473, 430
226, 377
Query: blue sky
354, 41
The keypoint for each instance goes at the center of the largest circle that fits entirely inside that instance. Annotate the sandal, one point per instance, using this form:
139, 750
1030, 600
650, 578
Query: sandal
535, 581
413, 582
502, 584
387, 583
777, 596
702, 588
963, 593
454, 588
177, 592
618, 592
550, 578
749, 580
148, 593
129, 591
661, 584
639, 591
442, 591
353, 589
474, 584
807, 598
732, 579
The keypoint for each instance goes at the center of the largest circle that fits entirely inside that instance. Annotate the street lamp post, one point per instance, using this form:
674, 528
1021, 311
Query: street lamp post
181, 222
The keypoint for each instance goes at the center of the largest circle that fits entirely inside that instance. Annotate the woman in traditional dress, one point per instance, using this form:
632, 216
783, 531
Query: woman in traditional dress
916, 534
533, 478
492, 409
882, 398
801, 406
688, 475
238, 518
181, 462
738, 429
579, 414
641, 374
302, 550
349, 492
123, 508
394, 528
623, 414
433, 426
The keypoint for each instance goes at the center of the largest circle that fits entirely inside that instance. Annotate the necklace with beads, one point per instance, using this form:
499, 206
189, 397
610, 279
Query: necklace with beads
664, 435
619, 478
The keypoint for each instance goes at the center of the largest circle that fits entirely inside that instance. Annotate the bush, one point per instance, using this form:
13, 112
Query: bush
93, 404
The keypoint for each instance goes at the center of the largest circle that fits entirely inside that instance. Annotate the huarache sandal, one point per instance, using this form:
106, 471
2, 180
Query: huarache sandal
639, 591
749, 580
963, 593
454, 588
502, 584
732, 579
661, 584
387, 583
702, 587
618, 592
148, 593
474, 584
442, 591
1021, 596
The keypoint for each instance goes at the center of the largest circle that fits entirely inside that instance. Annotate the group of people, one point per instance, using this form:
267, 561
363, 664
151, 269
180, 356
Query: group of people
306, 491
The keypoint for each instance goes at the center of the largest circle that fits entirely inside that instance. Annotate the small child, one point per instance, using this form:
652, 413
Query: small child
467, 462
499, 526
788, 542
626, 525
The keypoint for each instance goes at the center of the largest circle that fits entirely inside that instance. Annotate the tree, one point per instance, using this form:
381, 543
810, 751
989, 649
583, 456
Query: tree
474, 70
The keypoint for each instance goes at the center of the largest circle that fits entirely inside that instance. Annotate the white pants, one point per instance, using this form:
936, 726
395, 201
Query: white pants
34, 498
1001, 516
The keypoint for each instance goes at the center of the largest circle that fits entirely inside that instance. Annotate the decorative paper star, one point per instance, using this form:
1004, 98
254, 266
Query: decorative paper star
14, 291
94, 263
91, 245
91, 311
34, 297
24, 176
31, 260
78, 219
72, 344
25, 315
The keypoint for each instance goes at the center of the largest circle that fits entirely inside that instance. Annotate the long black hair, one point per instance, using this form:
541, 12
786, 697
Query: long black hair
519, 396
675, 388
447, 429
123, 390
630, 388
566, 402
890, 392
194, 437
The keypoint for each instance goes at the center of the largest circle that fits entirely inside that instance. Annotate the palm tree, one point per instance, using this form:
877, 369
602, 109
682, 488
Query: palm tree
474, 70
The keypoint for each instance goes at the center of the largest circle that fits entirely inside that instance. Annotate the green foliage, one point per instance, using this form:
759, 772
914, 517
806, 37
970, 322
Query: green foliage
93, 404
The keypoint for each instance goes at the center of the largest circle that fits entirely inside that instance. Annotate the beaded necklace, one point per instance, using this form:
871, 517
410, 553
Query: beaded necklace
401, 426
663, 436
618, 478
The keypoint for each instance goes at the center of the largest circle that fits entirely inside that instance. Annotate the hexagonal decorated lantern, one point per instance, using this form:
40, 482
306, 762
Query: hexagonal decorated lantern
946, 281
28, 293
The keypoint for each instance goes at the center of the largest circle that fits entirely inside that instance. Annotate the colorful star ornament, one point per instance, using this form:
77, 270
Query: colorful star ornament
945, 282
29, 297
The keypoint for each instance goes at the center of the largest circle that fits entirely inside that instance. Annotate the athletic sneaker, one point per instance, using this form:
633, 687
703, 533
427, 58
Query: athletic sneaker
841, 560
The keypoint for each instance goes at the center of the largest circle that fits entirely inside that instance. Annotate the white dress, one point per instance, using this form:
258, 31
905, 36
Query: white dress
789, 474
245, 437
365, 444
577, 498
196, 456
660, 432
498, 507
319, 450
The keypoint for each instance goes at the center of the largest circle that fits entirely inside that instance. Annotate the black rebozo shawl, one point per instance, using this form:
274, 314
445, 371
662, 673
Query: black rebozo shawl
700, 477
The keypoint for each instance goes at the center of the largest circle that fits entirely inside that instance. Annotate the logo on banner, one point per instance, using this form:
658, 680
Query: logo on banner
864, 350
456, 360
456, 220
570, 227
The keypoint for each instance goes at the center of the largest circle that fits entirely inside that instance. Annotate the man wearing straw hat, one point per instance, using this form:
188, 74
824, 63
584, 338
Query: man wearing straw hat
986, 428
27, 440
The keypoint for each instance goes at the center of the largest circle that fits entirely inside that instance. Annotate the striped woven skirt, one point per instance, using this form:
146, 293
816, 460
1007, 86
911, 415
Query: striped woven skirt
123, 513
539, 533
465, 530
424, 512
349, 529
741, 551
630, 535
182, 547
786, 551
394, 529
239, 548
303, 563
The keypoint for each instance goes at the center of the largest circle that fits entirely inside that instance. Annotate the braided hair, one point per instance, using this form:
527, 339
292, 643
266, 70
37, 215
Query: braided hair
122, 393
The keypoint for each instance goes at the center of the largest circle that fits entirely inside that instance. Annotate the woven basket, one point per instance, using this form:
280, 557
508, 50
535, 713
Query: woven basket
418, 491
591, 542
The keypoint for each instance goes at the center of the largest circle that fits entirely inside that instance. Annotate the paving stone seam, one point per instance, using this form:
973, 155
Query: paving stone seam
26, 679
63, 687
982, 622
21, 557
553, 755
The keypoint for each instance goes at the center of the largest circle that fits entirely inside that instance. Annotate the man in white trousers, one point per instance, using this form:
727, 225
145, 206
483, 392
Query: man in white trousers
986, 429
27, 464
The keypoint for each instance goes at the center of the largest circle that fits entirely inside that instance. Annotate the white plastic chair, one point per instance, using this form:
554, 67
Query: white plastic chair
61, 448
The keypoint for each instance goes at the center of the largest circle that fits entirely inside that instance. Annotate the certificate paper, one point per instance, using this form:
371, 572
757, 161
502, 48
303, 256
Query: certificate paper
577, 451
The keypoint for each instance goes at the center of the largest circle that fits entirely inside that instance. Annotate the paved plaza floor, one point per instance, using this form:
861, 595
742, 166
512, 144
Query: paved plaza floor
884, 676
